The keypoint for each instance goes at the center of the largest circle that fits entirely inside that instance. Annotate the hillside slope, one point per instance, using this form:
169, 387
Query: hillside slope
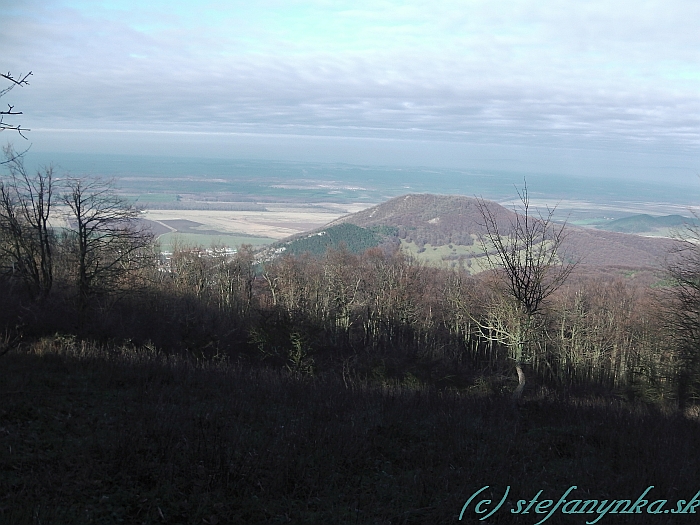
430, 219
439, 220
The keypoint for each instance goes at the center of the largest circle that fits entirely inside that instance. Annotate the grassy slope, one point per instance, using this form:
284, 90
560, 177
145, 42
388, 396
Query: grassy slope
449, 256
130, 436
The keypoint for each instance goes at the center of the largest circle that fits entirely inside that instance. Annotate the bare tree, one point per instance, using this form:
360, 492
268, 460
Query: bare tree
20, 81
528, 260
683, 266
26, 238
107, 241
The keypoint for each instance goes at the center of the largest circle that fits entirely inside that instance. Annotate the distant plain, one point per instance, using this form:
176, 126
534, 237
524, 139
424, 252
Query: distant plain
232, 202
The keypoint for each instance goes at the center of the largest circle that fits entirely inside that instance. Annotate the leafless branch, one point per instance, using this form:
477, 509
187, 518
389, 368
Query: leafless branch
25, 233
529, 253
21, 81
108, 241
9, 340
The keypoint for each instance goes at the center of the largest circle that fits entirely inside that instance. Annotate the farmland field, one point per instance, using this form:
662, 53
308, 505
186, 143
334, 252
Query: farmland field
233, 228
169, 240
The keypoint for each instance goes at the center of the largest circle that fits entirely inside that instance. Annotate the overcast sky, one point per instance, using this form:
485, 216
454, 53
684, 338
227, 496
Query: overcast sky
584, 86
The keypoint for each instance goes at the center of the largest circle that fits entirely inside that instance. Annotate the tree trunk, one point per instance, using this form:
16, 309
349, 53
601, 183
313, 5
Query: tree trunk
518, 394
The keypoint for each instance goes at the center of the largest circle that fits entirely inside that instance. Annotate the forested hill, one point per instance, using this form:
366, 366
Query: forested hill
353, 238
430, 219
603, 248
446, 228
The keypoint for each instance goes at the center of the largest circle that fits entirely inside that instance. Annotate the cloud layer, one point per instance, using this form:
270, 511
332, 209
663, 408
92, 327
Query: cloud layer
514, 72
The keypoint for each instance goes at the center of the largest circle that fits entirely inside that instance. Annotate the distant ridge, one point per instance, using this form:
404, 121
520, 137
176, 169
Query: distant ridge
644, 223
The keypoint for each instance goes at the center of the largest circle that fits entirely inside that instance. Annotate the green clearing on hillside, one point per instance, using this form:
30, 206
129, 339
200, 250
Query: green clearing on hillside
470, 258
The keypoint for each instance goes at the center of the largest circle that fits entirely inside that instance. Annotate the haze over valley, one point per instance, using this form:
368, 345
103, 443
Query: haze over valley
234, 202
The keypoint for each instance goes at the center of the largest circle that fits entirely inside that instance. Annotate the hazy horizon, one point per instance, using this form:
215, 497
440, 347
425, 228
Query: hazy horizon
586, 90
253, 180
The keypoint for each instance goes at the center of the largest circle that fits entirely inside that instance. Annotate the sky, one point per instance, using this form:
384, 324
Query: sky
585, 87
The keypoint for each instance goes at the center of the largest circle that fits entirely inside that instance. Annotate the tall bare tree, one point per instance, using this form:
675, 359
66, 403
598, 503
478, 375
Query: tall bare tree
26, 238
106, 238
527, 259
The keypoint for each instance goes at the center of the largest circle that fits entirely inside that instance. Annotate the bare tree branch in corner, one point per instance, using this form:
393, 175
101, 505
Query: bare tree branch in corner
529, 260
20, 81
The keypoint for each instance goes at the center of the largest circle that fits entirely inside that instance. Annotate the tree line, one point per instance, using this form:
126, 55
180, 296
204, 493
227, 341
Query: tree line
75, 258
79, 226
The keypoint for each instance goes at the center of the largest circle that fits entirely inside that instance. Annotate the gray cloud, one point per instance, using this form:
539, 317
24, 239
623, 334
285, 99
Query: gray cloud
520, 72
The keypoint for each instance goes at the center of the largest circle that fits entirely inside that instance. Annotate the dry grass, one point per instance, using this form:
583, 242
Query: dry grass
94, 434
